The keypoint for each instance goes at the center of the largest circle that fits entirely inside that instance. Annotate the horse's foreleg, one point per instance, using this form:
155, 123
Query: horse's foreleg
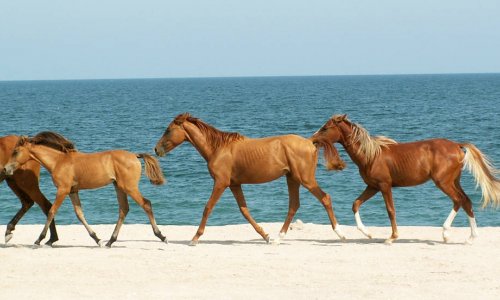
123, 210
240, 199
389, 204
60, 195
77, 206
365, 195
214, 197
293, 205
148, 209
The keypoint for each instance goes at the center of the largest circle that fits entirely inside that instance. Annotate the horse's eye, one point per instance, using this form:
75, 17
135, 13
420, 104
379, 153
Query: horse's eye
323, 129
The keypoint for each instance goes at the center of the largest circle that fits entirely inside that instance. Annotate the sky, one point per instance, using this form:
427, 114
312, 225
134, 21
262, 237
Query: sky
95, 39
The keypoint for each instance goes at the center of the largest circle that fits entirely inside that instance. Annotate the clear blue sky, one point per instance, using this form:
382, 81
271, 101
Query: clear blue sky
75, 39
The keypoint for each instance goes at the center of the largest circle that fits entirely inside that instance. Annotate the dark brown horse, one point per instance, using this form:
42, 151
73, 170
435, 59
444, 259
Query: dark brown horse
234, 160
73, 171
24, 183
384, 164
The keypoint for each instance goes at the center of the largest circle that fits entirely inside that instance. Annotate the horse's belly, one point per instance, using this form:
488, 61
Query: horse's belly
257, 175
92, 183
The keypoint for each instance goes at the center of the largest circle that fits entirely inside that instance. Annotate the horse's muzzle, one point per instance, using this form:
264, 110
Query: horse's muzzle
159, 151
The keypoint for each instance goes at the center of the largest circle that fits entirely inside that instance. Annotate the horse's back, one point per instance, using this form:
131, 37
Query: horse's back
413, 163
265, 159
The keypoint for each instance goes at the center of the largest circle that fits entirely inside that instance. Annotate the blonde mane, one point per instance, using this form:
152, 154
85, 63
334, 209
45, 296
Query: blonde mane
369, 146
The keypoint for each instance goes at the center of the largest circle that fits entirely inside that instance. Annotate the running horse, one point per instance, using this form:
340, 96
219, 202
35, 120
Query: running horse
384, 164
234, 159
73, 171
24, 183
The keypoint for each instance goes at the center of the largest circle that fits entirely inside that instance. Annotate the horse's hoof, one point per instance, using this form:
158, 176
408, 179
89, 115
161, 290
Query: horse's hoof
8, 237
369, 236
193, 243
469, 241
388, 242
165, 241
100, 243
49, 244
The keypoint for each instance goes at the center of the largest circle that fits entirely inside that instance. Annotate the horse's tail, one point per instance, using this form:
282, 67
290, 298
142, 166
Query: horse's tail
332, 157
152, 169
484, 172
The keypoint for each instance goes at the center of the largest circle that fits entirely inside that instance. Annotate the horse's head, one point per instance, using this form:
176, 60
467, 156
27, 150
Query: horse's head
19, 157
330, 132
326, 136
173, 136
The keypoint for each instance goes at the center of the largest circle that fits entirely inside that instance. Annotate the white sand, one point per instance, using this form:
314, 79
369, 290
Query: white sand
232, 262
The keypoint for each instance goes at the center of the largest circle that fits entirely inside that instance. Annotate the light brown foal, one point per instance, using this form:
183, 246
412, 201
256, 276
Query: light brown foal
73, 171
234, 160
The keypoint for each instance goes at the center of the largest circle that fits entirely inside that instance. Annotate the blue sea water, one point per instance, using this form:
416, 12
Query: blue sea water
132, 114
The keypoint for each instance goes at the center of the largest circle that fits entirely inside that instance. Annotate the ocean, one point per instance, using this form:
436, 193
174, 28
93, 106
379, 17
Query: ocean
132, 114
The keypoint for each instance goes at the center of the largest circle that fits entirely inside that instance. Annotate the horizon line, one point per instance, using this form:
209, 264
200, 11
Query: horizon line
250, 76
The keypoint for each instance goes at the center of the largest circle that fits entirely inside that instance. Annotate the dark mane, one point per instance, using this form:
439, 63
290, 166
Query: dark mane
54, 141
215, 137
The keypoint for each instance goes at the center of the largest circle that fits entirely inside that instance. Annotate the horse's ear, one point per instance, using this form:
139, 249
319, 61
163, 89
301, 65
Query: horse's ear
339, 118
181, 118
344, 117
22, 140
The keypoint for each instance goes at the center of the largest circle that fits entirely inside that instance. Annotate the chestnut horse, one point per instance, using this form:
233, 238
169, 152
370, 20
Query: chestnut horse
234, 160
24, 183
384, 164
73, 171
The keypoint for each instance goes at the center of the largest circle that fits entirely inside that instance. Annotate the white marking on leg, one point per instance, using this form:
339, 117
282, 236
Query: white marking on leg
360, 225
277, 240
339, 232
447, 225
473, 230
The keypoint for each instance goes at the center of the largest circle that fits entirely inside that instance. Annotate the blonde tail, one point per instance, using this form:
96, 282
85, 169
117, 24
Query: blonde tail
484, 173
152, 169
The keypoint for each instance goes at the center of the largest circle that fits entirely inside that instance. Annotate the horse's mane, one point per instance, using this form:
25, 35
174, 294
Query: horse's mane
369, 146
53, 140
215, 137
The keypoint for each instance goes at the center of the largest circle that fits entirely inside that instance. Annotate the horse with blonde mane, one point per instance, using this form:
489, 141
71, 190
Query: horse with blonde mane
383, 164
73, 171
24, 183
234, 159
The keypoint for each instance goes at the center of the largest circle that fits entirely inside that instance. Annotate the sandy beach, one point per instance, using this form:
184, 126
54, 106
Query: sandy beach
232, 262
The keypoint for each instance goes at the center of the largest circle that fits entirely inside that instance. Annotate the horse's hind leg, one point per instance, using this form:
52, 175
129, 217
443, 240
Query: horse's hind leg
326, 200
146, 205
451, 190
293, 205
123, 210
467, 205
26, 204
365, 195
75, 199
240, 199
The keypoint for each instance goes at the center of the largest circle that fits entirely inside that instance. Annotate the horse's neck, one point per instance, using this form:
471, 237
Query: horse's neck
198, 140
46, 156
351, 148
